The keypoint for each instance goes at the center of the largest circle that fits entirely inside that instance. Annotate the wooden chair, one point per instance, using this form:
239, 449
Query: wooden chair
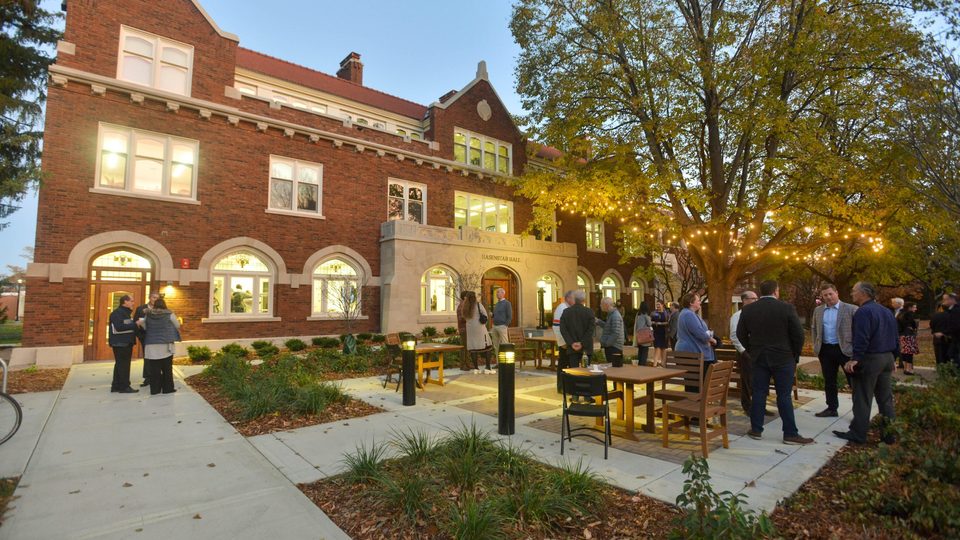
396, 363
730, 355
712, 403
591, 387
522, 351
692, 363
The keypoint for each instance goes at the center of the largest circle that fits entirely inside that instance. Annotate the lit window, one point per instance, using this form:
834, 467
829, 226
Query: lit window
583, 284
406, 201
143, 162
595, 240
480, 151
241, 286
636, 293
610, 288
415, 136
551, 291
437, 291
336, 289
401, 132
295, 186
489, 214
154, 61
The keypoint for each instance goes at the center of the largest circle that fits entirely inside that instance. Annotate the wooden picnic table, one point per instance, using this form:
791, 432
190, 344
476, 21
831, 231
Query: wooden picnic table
547, 339
626, 378
429, 355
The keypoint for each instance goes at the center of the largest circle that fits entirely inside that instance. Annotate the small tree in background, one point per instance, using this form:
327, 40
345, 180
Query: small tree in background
348, 303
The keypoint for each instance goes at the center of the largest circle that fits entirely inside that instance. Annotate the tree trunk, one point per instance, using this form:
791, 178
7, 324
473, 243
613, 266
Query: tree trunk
720, 289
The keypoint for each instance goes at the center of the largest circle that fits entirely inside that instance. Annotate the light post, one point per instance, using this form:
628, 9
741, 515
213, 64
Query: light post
506, 386
19, 284
408, 351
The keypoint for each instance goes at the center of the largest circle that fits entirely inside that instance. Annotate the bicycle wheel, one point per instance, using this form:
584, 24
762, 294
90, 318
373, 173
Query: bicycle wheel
10, 417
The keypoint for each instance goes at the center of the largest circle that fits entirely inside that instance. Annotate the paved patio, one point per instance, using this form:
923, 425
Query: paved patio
102, 465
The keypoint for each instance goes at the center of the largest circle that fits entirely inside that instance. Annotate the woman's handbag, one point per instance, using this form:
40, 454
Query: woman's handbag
644, 336
483, 317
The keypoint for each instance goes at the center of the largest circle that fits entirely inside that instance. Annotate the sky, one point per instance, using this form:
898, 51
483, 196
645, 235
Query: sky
414, 49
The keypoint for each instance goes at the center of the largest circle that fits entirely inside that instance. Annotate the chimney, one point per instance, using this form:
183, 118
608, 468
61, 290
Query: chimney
351, 68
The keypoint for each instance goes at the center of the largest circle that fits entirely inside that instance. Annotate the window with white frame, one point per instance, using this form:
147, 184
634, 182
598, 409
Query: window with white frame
336, 289
610, 287
241, 286
144, 162
406, 201
154, 61
296, 186
583, 284
595, 240
550, 284
483, 152
636, 293
438, 291
484, 213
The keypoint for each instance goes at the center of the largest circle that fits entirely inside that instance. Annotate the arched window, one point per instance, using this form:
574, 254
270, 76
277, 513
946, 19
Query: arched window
438, 292
610, 288
636, 293
552, 290
241, 286
583, 283
336, 288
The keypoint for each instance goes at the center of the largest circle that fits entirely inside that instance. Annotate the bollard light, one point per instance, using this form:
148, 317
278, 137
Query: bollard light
408, 352
506, 384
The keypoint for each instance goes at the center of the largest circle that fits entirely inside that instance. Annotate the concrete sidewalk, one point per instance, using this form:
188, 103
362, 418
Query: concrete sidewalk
139, 466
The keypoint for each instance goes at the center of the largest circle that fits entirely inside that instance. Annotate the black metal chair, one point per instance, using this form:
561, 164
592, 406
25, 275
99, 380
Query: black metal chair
590, 387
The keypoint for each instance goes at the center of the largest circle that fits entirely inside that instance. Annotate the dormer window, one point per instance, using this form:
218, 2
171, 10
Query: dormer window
154, 61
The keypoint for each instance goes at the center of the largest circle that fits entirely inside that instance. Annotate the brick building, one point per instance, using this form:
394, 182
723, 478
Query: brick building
252, 192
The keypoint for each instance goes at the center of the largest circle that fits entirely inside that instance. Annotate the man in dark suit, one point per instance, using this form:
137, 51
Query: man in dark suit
122, 339
577, 325
770, 331
137, 315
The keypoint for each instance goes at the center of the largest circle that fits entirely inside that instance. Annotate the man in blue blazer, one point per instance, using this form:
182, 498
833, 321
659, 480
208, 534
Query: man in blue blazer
771, 332
832, 331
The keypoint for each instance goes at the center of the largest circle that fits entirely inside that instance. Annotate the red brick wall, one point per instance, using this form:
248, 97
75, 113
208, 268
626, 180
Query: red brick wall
94, 27
573, 229
55, 313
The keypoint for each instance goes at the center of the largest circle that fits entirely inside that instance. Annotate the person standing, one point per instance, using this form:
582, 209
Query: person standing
743, 359
137, 315
122, 337
502, 317
478, 339
950, 334
832, 342
672, 323
643, 320
462, 331
907, 326
939, 327
577, 325
660, 320
871, 366
770, 331
896, 305
692, 332
561, 344
161, 331
612, 337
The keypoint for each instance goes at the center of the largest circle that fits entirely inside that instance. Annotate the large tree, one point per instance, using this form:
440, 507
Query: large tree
752, 131
27, 36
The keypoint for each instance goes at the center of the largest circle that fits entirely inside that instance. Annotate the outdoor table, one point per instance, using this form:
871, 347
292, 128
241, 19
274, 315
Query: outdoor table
429, 355
626, 378
547, 339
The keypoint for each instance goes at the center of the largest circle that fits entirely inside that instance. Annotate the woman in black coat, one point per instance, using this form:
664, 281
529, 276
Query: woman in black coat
907, 328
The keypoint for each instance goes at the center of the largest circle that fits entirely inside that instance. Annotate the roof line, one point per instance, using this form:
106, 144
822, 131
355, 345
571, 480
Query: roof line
228, 35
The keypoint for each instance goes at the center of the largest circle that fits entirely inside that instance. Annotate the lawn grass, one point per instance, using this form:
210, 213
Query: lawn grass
11, 333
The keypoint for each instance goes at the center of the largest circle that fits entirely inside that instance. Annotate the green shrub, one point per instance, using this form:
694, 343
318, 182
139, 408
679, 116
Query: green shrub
378, 338
260, 344
450, 330
268, 351
429, 331
343, 337
708, 514
472, 520
315, 397
317, 341
235, 349
414, 445
295, 344
365, 464
199, 354
411, 494
577, 484
326, 342
364, 336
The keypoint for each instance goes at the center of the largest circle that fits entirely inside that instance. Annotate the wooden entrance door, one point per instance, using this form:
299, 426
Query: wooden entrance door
107, 300
489, 292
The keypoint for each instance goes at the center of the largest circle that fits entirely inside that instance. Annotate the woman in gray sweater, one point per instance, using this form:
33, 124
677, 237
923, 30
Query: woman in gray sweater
162, 331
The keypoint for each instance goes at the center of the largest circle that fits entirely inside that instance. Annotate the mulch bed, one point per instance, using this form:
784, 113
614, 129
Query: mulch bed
36, 380
364, 518
7, 487
278, 421
814, 511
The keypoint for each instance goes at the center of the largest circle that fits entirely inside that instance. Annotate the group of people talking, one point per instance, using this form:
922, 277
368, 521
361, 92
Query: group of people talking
157, 329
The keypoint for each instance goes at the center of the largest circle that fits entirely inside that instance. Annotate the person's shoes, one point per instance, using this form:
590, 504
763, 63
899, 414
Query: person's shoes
146, 382
154, 393
847, 436
797, 439
756, 435
768, 412
127, 390
826, 413
169, 391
